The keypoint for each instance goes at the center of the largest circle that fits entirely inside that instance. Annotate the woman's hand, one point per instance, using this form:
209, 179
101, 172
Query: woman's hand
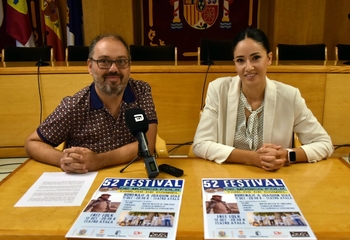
271, 156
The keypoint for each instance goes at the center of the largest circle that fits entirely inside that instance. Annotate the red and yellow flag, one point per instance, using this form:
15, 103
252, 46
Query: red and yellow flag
52, 28
18, 22
1, 13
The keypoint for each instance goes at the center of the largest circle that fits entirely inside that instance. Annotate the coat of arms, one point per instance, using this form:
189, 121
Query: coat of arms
201, 14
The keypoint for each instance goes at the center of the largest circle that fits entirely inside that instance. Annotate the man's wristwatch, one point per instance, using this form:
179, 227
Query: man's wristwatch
291, 155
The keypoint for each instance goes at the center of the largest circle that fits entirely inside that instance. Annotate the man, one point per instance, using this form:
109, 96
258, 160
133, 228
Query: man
101, 204
272, 219
296, 218
217, 206
167, 218
92, 122
141, 220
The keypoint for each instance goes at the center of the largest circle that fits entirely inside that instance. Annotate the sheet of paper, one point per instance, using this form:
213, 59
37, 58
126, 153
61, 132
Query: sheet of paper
346, 159
55, 189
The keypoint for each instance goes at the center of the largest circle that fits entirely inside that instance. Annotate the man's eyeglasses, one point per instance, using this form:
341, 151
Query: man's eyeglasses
106, 63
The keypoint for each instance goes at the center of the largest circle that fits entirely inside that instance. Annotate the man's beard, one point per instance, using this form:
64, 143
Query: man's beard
114, 88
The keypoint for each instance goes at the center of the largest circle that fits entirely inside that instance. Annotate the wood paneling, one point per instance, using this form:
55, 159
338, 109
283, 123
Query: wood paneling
284, 21
108, 16
336, 25
19, 111
177, 98
177, 93
337, 108
298, 22
306, 22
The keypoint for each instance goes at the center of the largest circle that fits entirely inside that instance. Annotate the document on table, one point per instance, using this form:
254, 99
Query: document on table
346, 159
55, 189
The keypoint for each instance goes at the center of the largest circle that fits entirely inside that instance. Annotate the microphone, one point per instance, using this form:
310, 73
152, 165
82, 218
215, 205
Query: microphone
137, 123
41, 62
208, 61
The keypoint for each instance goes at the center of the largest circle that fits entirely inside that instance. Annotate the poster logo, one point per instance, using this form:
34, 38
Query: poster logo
82, 232
299, 234
101, 233
158, 235
222, 233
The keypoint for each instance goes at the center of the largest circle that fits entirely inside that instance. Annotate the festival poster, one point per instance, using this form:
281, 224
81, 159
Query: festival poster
130, 208
251, 208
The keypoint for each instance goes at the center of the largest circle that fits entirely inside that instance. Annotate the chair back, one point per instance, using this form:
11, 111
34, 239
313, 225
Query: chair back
301, 52
211, 49
153, 53
296, 141
77, 53
161, 149
342, 52
23, 54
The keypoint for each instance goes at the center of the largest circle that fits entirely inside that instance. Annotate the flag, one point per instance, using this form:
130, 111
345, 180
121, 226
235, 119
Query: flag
18, 23
1, 13
74, 23
52, 28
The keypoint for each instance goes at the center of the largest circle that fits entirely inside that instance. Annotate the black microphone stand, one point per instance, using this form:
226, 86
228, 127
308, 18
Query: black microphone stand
149, 163
141, 154
208, 61
41, 62
135, 159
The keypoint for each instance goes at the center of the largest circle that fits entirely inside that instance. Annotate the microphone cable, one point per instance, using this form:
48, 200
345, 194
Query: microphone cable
39, 64
40, 96
339, 146
203, 89
179, 145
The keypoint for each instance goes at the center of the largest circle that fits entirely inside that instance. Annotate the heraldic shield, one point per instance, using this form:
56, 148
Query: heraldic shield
201, 14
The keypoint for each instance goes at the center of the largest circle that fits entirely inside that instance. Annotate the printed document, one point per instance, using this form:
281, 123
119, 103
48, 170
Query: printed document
55, 189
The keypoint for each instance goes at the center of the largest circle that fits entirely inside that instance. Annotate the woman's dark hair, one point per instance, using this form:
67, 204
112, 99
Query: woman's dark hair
253, 33
108, 35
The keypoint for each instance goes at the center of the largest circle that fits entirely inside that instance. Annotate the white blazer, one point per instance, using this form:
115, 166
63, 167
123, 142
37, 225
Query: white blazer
285, 112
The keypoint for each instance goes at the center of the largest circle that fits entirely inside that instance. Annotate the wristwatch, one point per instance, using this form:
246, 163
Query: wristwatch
291, 155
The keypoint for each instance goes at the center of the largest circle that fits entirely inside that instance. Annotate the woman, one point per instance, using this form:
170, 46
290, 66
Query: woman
250, 119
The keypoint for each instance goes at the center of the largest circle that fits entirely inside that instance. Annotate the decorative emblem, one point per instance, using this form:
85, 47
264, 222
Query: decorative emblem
200, 14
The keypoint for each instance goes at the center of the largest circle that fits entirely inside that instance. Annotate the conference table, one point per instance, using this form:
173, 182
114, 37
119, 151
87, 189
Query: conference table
321, 190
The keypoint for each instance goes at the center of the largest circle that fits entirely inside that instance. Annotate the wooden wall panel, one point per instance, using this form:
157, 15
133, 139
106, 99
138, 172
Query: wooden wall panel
108, 16
284, 21
336, 25
337, 108
266, 16
20, 107
298, 21
306, 22
177, 92
177, 98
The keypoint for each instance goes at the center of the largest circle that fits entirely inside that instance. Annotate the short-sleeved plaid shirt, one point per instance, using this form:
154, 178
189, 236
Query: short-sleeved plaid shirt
82, 120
